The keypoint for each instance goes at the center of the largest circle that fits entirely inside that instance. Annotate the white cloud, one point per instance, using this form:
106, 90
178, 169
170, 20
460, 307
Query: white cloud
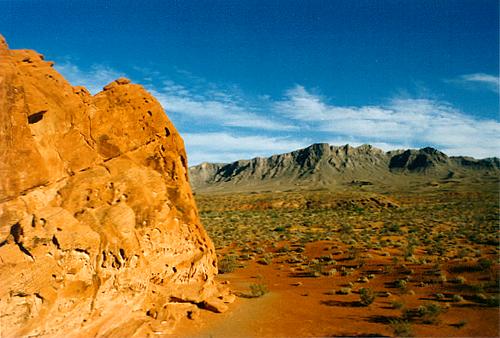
226, 147
409, 122
490, 82
96, 77
214, 106
303, 115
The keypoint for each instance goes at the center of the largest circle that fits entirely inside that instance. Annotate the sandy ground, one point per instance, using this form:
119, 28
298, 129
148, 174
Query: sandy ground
306, 247
292, 310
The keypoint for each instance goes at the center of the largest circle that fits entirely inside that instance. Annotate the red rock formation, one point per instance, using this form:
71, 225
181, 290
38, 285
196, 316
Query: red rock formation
99, 231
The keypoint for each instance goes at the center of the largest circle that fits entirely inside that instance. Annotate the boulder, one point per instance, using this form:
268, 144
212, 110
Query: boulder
99, 231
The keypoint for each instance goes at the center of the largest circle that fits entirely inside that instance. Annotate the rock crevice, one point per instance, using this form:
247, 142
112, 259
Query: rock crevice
100, 233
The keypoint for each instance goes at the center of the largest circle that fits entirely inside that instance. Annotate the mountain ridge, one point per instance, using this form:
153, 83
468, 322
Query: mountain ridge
321, 165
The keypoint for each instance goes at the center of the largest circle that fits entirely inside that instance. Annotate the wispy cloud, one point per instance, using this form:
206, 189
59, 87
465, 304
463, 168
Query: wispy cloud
94, 78
478, 81
411, 122
222, 124
228, 147
215, 106
198, 105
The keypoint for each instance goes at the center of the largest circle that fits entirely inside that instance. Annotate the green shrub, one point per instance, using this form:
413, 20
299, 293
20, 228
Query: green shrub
481, 298
401, 284
257, 290
439, 296
458, 280
366, 296
484, 264
397, 304
227, 264
427, 313
265, 260
401, 328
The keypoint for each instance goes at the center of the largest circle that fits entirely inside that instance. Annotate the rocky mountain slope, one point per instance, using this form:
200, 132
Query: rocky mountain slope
325, 166
99, 232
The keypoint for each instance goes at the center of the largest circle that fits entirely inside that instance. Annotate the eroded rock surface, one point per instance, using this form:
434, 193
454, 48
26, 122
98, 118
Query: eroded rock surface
99, 232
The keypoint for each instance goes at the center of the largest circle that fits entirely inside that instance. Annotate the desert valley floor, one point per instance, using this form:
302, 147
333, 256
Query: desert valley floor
356, 262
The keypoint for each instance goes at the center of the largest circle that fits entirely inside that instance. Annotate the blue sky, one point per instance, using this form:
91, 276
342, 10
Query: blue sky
252, 78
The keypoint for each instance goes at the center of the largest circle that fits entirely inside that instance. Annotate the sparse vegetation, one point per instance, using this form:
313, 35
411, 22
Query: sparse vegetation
401, 328
258, 290
344, 291
366, 296
427, 313
227, 264
431, 248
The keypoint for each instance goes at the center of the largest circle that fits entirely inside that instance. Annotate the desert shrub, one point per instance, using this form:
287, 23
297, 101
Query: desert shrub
227, 264
408, 251
397, 304
462, 253
439, 296
346, 229
316, 268
363, 279
391, 229
353, 252
427, 313
457, 298
401, 328
484, 264
346, 272
245, 257
458, 280
344, 291
265, 260
366, 296
283, 249
259, 250
330, 272
401, 284
257, 290
481, 298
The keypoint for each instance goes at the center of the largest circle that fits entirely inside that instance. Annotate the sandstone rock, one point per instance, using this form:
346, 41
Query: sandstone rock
99, 232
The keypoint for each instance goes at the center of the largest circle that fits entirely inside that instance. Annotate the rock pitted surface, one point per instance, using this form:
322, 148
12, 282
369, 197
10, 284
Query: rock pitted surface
323, 166
99, 232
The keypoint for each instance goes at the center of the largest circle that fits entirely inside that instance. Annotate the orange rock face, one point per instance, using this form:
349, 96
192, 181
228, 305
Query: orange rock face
99, 232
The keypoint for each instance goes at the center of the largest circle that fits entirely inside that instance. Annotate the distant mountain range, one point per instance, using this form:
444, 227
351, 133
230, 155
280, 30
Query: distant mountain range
324, 166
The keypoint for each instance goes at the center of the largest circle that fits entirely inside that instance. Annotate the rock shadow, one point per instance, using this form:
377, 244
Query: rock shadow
379, 319
340, 303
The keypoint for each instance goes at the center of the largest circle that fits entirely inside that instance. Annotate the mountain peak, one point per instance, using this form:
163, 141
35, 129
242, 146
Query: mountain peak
321, 165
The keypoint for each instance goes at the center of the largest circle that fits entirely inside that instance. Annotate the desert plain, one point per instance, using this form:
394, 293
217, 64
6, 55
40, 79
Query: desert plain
419, 260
